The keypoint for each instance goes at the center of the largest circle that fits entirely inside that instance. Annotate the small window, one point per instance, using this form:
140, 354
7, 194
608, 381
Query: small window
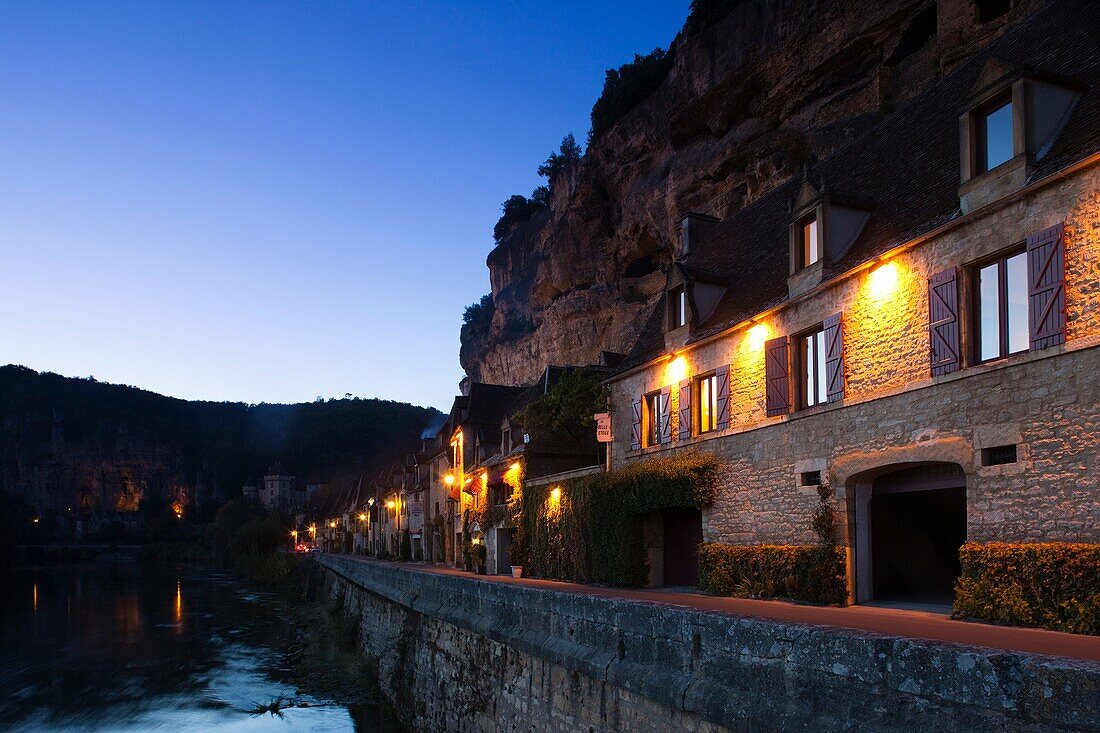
651, 428
993, 134
677, 307
810, 378
998, 455
809, 242
706, 393
810, 478
1002, 308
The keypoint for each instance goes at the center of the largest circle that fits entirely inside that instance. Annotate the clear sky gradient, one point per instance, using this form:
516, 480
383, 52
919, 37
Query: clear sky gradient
271, 201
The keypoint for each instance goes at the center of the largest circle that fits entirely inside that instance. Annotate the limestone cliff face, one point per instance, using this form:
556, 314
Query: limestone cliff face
755, 90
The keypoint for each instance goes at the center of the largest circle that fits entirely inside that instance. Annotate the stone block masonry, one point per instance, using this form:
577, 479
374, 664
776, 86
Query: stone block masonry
463, 654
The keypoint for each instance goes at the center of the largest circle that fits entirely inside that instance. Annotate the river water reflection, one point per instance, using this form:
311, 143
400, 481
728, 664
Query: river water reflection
128, 648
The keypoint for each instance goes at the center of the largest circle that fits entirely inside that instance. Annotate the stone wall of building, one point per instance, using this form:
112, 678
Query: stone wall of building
894, 412
455, 653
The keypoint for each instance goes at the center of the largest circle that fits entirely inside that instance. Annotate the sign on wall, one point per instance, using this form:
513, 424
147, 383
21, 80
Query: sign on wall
603, 426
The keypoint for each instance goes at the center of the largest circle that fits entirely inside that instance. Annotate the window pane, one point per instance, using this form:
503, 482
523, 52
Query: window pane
819, 351
989, 321
810, 252
1016, 272
998, 136
682, 319
704, 405
806, 360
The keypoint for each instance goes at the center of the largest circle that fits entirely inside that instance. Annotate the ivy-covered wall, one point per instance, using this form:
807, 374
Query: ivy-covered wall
589, 529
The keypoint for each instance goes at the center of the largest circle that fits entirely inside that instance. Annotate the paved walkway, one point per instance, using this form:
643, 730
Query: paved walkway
918, 624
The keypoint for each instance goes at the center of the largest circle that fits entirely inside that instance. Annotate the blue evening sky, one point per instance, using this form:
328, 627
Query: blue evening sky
273, 201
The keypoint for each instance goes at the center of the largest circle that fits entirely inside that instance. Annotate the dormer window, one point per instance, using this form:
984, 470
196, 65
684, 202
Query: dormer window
809, 242
677, 307
993, 134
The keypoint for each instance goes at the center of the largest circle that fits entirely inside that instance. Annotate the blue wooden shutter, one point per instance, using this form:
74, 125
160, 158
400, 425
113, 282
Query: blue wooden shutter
636, 425
722, 394
1046, 278
777, 389
834, 357
684, 409
943, 322
665, 434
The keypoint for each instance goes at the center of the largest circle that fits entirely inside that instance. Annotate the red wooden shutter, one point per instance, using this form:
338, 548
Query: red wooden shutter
1046, 280
636, 425
834, 358
776, 377
943, 322
685, 409
666, 415
722, 379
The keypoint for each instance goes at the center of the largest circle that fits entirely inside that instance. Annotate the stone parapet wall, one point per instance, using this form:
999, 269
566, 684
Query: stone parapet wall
456, 653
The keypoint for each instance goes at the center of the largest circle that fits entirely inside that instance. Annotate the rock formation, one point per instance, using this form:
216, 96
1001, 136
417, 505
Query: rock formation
756, 88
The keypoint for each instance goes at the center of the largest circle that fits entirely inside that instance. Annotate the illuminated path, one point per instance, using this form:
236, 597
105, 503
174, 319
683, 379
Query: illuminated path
889, 621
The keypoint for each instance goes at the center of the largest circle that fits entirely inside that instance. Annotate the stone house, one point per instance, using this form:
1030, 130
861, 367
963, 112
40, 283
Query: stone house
914, 323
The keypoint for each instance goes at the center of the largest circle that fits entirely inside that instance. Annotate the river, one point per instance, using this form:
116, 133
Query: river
125, 647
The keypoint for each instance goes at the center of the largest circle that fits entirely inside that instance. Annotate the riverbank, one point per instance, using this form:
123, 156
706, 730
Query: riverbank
455, 651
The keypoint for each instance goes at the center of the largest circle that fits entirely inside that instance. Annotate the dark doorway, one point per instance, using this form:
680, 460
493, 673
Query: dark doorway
683, 531
915, 540
504, 551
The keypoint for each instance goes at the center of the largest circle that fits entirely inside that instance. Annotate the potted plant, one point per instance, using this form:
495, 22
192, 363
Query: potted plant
517, 571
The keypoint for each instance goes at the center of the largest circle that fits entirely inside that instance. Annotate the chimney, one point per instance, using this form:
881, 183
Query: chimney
693, 227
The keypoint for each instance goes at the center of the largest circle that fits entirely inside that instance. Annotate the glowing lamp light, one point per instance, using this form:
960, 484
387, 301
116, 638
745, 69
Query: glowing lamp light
555, 494
514, 466
362, 517
391, 504
332, 525
884, 281
676, 370
757, 335
448, 479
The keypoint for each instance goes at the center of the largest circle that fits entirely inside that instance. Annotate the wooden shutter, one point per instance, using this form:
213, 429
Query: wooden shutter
1046, 280
776, 377
666, 415
636, 425
834, 357
722, 379
943, 322
685, 409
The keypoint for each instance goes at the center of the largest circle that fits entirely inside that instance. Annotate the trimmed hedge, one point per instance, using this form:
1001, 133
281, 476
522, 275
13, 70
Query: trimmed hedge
814, 574
1053, 585
593, 533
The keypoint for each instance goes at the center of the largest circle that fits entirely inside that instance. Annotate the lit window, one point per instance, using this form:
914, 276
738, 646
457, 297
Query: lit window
707, 393
993, 135
1002, 307
810, 247
652, 419
811, 368
677, 307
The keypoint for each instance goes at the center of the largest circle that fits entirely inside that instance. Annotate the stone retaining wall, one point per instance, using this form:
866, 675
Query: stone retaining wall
457, 653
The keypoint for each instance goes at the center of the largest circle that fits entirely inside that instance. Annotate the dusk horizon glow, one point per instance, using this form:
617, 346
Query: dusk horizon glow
271, 202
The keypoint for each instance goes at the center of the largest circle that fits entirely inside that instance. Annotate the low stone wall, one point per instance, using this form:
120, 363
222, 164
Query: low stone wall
457, 653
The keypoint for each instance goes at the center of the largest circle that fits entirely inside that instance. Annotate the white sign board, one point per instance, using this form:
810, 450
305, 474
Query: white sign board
603, 426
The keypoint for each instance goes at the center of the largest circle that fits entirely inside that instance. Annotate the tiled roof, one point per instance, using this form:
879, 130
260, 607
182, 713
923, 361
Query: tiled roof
907, 167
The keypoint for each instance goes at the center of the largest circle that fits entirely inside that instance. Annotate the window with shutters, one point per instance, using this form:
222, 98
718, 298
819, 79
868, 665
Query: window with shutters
1001, 307
706, 396
651, 419
811, 383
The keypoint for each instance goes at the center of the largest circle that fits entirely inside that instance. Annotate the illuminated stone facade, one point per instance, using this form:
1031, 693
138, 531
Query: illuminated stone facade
894, 414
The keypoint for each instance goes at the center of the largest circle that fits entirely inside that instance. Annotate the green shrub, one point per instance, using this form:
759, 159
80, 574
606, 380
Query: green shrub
814, 574
1053, 585
593, 532
627, 87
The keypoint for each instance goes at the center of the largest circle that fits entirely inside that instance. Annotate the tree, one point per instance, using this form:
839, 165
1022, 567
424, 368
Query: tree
568, 153
569, 405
